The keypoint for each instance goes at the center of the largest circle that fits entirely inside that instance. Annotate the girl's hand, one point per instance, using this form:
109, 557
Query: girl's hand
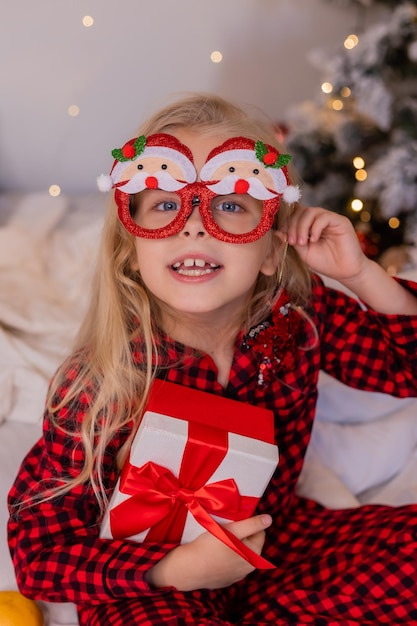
327, 242
206, 562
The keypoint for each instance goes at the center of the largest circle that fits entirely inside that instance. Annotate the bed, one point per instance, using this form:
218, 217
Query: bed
363, 447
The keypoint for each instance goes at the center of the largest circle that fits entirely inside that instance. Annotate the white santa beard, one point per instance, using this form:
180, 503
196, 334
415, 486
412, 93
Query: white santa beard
138, 183
256, 188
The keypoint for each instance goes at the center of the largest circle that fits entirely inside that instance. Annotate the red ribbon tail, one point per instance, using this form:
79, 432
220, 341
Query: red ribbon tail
228, 538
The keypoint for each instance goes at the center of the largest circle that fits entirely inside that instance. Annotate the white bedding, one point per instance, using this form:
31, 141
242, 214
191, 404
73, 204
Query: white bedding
363, 448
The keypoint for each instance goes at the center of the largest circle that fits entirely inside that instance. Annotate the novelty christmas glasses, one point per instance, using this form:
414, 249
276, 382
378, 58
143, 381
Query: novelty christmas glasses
238, 195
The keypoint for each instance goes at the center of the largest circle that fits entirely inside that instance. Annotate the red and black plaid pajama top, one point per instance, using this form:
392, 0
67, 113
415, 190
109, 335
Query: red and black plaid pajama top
348, 567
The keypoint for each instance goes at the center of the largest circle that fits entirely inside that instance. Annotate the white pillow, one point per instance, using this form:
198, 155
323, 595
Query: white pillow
47, 257
340, 404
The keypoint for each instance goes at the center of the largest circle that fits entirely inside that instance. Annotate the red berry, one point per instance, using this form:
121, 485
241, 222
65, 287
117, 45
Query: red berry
128, 151
270, 158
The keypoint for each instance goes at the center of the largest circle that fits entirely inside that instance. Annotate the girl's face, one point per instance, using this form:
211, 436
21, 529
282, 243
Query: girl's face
191, 271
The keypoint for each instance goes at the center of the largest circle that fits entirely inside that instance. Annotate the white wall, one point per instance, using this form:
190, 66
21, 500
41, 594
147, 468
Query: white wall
138, 53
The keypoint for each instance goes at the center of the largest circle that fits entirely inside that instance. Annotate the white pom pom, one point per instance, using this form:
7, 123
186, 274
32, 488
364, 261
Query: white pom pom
291, 194
104, 182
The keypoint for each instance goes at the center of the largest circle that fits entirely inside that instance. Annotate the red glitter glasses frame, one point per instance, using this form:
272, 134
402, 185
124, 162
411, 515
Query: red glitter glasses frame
187, 195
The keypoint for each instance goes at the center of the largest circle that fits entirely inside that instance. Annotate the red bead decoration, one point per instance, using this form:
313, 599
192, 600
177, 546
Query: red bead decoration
128, 151
275, 341
270, 158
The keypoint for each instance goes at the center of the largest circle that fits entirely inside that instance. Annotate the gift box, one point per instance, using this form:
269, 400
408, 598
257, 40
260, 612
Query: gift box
197, 462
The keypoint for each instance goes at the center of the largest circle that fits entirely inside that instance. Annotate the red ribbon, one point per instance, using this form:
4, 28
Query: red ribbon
156, 492
159, 501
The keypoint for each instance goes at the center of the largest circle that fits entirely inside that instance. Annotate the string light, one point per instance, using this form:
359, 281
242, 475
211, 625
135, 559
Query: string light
54, 190
327, 87
365, 216
216, 56
394, 222
88, 21
356, 205
351, 41
361, 175
73, 110
345, 92
337, 104
358, 162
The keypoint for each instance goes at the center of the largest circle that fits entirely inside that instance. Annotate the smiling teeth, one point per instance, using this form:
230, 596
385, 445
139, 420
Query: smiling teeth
194, 267
192, 262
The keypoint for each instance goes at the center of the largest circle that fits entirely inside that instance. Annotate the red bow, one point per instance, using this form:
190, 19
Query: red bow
158, 501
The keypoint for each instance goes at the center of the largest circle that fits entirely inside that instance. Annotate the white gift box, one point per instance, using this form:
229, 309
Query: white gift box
200, 441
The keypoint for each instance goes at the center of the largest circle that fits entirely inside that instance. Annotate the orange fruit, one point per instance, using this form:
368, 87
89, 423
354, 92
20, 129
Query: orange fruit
16, 610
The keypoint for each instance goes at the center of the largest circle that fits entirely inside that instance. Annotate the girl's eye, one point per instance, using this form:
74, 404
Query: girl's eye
167, 205
229, 207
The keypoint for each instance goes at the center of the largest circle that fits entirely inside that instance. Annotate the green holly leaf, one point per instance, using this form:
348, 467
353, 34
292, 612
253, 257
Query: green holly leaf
140, 144
260, 151
283, 159
118, 155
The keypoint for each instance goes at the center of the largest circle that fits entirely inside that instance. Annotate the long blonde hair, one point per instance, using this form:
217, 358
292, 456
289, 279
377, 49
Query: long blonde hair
103, 348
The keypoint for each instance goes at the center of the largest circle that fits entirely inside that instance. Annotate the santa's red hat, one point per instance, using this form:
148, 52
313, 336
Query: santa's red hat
157, 145
264, 155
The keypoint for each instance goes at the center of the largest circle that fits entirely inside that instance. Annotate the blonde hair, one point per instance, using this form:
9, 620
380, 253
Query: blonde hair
103, 350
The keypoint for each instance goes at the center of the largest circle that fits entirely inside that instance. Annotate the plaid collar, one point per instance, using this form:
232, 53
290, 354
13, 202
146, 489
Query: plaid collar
268, 350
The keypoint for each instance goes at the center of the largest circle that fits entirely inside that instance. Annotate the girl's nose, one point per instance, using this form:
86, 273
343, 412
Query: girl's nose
194, 225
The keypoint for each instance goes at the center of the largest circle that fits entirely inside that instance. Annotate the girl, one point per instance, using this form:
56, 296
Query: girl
203, 282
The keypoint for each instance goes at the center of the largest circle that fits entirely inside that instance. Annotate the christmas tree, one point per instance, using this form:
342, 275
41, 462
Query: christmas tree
355, 145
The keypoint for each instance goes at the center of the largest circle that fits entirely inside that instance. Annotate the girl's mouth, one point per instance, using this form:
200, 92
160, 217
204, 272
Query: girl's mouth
194, 267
